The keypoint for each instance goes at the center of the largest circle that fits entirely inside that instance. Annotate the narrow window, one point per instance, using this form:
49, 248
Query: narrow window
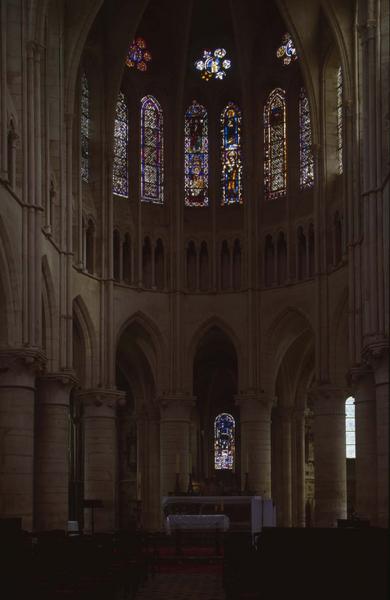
84, 128
152, 162
120, 163
231, 155
340, 119
350, 443
306, 161
224, 442
275, 145
196, 161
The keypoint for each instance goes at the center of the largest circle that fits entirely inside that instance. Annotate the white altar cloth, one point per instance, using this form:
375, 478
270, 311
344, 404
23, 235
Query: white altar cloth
201, 522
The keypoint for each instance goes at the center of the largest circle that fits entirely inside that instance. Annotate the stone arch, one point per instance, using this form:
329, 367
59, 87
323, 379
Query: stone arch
87, 370
10, 328
199, 334
286, 328
49, 316
155, 350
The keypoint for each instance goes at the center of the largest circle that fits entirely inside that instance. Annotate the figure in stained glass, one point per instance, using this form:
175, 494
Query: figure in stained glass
275, 145
196, 156
231, 155
224, 442
286, 50
152, 167
213, 64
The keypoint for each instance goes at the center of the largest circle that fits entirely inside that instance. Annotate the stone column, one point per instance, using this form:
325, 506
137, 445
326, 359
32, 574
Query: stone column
377, 354
255, 418
175, 413
51, 451
285, 416
329, 455
299, 440
100, 454
363, 383
17, 395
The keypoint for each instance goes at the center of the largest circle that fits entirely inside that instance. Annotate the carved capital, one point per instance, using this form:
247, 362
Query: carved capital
176, 406
376, 354
328, 399
356, 374
20, 366
253, 397
101, 401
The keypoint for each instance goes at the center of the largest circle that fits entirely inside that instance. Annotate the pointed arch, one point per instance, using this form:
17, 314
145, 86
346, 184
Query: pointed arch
50, 321
156, 352
11, 320
210, 323
286, 328
152, 151
82, 320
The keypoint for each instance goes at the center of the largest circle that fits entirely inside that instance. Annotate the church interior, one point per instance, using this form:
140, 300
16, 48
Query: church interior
194, 298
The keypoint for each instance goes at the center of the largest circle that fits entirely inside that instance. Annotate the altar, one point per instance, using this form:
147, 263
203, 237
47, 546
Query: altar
196, 523
222, 513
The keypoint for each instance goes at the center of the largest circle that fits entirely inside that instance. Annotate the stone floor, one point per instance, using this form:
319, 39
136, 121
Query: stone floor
182, 586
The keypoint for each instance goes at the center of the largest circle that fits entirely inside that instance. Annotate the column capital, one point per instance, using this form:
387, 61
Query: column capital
102, 399
328, 399
253, 397
21, 363
176, 406
357, 373
55, 388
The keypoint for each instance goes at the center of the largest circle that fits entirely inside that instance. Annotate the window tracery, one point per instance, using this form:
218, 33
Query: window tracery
275, 145
84, 127
120, 163
340, 120
152, 166
306, 160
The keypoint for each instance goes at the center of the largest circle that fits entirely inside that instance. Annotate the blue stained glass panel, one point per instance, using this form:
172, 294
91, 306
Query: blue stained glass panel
196, 163
224, 442
231, 155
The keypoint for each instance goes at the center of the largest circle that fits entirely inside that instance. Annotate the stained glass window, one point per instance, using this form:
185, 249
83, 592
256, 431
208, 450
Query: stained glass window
306, 161
196, 159
350, 443
224, 442
213, 64
84, 128
231, 155
152, 172
121, 133
340, 119
275, 145
287, 50
138, 55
